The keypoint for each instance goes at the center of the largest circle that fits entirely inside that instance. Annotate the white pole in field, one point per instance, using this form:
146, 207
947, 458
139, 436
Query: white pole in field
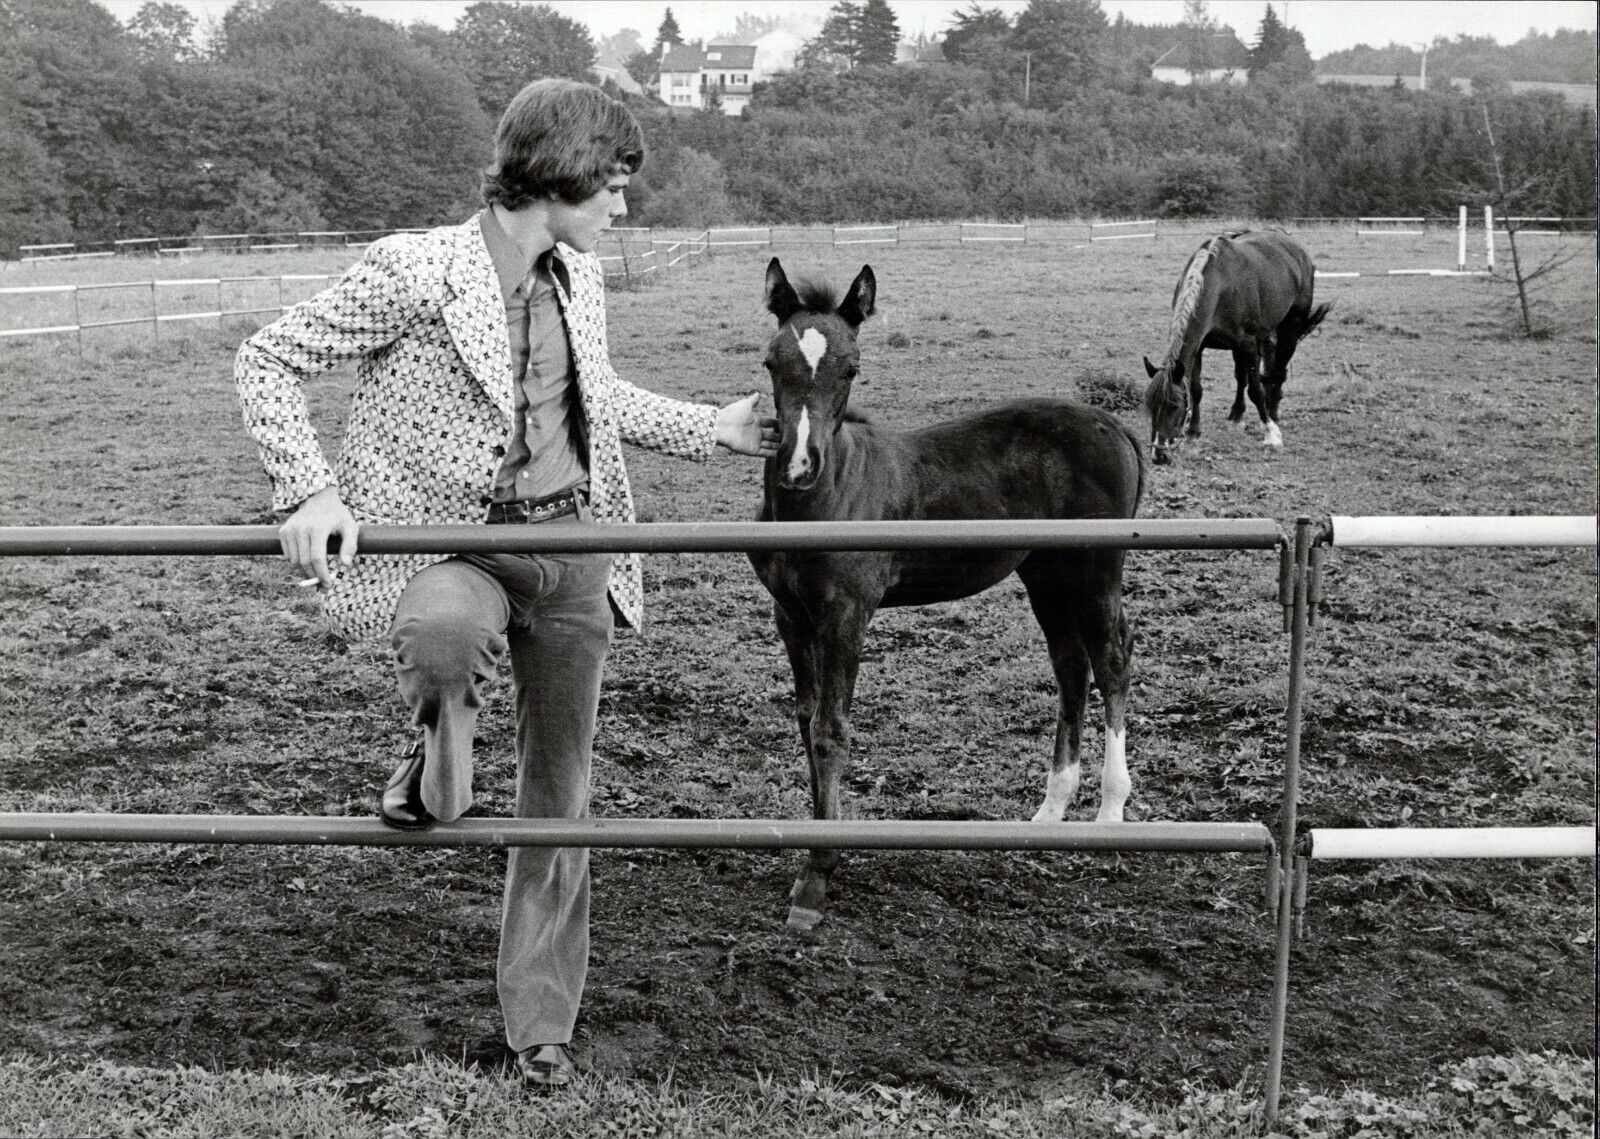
1488, 234
1461, 242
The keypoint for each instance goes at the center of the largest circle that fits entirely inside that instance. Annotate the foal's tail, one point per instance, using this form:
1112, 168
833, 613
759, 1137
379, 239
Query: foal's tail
1141, 465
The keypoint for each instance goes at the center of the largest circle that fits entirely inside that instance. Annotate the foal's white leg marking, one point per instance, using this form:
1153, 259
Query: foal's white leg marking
1274, 437
798, 462
1114, 780
813, 346
1059, 791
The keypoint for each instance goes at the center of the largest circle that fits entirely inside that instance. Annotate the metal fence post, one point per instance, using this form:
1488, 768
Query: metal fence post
77, 320
1291, 802
155, 312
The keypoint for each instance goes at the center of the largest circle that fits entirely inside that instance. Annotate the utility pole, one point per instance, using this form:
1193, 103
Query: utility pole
1422, 80
1027, 75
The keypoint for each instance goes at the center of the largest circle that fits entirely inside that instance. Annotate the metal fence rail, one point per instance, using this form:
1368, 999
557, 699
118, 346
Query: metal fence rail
1296, 853
774, 834
1299, 590
665, 537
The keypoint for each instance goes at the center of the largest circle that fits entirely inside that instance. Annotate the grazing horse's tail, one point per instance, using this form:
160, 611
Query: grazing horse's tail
1315, 318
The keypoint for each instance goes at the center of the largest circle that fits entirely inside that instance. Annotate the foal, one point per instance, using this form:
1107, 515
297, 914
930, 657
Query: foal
1035, 458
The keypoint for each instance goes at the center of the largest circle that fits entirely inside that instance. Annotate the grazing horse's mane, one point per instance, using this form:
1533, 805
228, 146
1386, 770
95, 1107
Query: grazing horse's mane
1188, 297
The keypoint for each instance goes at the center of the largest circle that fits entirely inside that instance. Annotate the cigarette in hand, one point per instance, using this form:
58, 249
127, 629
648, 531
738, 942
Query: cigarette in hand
308, 583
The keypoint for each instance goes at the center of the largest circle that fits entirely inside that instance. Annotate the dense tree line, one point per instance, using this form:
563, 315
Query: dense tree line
296, 114
873, 144
1565, 56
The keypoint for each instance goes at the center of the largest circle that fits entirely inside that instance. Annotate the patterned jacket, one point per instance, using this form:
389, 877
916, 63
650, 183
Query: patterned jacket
433, 406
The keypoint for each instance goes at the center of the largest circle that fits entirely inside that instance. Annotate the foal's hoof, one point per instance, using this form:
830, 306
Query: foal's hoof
1273, 437
802, 919
808, 901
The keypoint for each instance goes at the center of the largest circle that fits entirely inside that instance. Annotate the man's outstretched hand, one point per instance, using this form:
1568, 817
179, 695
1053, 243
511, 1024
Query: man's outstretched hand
742, 429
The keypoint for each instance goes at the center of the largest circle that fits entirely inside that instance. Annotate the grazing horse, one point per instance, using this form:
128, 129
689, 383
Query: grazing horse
1034, 458
1248, 292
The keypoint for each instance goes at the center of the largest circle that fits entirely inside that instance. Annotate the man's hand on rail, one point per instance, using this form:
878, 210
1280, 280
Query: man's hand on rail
304, 537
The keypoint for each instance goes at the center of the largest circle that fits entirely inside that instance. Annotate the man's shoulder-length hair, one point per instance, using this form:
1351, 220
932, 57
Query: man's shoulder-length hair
562, 137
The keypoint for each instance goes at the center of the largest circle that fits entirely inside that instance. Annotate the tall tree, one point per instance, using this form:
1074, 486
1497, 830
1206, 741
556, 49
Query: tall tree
1062, 42
161, 31
615, 51
1279, 52
1199, 37
508, 46
877, 34
1271, 42
972, 24
83, 106
382, 134
668, 32
748, 28
645, 67
838, 44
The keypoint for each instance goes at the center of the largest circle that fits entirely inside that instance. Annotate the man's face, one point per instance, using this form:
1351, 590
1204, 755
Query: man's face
581, 225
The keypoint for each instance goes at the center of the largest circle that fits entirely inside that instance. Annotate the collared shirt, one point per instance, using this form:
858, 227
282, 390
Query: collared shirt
543, 454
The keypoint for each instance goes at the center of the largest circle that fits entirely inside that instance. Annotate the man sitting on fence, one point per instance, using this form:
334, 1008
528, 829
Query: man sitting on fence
486, 395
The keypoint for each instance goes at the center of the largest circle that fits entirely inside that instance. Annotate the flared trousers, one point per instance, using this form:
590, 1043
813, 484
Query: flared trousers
455, 621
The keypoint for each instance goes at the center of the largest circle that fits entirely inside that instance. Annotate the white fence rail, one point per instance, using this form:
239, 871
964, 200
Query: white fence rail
820, 233
1450, 842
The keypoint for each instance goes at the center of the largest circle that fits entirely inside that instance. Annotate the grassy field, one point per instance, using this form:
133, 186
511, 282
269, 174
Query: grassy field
1446, 688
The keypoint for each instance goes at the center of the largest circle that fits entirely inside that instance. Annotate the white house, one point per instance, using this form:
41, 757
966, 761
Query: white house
690, 72
1229, 62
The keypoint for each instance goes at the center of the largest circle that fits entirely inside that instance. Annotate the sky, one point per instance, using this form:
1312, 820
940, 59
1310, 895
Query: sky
1328, 25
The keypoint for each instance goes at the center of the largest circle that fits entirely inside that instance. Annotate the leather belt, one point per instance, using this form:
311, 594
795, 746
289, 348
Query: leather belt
539, 509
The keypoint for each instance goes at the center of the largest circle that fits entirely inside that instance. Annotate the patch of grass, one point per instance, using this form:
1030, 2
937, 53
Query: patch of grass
1108, 389
433, 1098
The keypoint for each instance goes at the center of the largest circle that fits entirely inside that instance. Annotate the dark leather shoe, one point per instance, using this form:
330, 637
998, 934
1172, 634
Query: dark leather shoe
546, 1067
401, 806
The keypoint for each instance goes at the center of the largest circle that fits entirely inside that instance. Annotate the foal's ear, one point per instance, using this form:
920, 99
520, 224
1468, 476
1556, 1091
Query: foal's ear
1149, 368
782, 301
862, 299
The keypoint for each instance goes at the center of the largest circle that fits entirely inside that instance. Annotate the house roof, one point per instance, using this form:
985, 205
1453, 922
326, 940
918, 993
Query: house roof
722, 57
681, 57
1226, 53
740, 57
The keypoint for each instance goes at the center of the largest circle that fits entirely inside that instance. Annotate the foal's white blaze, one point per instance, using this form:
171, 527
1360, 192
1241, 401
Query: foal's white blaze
1274, 437
799, 461
813, 346
1059, 791
1114, 780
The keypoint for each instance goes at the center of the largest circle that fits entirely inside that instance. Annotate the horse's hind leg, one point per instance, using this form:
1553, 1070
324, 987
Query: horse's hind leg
1109, 640
1278, 371
837, 657
1050, 591
1244, 366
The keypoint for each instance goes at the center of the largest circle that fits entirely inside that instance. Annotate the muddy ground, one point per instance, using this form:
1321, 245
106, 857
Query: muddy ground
1446, 688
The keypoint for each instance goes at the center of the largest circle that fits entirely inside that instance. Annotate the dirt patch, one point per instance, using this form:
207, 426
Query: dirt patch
1446, 688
